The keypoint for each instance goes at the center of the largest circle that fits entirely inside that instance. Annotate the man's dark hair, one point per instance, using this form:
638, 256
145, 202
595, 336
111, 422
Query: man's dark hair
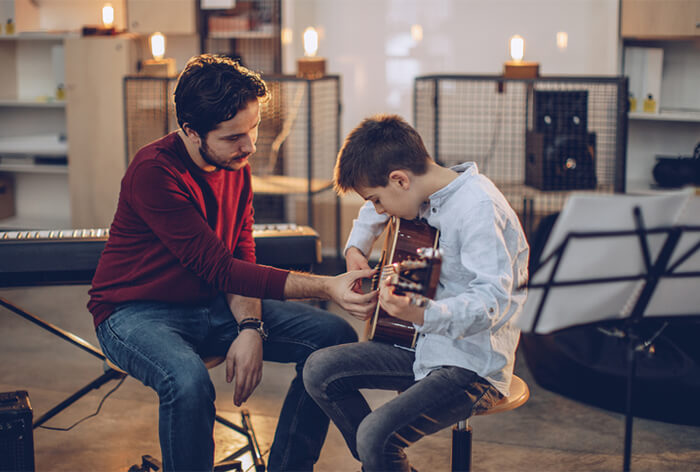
212, 89
378, 146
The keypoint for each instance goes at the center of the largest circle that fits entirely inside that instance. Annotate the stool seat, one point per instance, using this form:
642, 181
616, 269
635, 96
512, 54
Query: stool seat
519, 394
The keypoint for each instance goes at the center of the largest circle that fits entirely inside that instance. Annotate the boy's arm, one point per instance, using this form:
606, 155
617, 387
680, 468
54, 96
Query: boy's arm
366, 228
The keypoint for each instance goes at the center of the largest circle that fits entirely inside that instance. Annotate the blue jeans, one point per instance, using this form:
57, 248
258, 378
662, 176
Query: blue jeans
333, 377
162, 345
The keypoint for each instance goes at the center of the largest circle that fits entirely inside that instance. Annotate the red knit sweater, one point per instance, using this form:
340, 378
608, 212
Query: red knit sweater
180, 235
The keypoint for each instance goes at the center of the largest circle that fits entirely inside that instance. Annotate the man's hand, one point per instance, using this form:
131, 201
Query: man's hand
355, 260
400, 306
340, 289
244, 363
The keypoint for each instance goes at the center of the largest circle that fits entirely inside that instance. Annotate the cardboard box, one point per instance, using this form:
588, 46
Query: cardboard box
7, 196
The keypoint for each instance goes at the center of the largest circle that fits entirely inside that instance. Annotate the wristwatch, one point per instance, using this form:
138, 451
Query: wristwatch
253, 323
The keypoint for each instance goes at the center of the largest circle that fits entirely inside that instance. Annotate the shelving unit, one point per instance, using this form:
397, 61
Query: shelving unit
675, 129
251, 31
33, 146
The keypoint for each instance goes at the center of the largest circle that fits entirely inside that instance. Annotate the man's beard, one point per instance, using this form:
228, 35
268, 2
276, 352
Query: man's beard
206, 156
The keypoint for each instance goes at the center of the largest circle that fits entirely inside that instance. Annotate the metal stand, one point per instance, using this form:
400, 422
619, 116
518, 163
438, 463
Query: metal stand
229, 463
109, 374
653, 273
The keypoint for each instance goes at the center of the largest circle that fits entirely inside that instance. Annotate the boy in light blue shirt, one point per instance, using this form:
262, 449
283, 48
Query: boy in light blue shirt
464, 356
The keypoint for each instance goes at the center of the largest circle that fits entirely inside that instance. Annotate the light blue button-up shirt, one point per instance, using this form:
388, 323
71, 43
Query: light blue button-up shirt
469, 324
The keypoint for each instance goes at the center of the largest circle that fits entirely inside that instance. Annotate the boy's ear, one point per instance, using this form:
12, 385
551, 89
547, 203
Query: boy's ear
400, 178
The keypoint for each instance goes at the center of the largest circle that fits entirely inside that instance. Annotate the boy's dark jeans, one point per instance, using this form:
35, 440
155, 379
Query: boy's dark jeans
333, 377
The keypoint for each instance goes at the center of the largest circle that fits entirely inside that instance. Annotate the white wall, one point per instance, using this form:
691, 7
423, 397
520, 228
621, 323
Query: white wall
369, 44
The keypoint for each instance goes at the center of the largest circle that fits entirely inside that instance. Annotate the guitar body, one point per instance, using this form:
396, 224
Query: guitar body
403, 239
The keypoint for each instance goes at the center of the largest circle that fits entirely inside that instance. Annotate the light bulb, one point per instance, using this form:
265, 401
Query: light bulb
107, 15
157, 41
310, 42
517, 48
562, 40
417, 32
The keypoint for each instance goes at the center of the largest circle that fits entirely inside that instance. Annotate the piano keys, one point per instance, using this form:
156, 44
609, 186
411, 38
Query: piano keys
70, 256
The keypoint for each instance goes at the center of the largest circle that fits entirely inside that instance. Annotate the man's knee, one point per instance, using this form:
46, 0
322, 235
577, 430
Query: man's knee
337, 331
191, 385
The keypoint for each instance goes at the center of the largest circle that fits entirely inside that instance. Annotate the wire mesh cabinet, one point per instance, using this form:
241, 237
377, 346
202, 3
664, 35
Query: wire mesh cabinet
249, 31
298, 141
537, 139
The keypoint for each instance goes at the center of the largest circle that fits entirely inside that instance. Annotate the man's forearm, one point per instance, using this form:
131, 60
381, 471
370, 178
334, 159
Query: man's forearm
244, 307
299, 285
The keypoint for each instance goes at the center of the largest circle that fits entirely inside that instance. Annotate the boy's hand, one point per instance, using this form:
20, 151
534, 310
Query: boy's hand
340, 289
355, 260
404, 307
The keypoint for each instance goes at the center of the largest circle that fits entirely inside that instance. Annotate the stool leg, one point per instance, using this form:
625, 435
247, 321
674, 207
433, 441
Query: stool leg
462, 447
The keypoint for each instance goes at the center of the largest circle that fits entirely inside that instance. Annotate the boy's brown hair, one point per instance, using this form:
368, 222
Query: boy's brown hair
378, 146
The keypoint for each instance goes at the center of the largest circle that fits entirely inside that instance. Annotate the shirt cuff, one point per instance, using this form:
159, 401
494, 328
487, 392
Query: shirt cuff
433, 319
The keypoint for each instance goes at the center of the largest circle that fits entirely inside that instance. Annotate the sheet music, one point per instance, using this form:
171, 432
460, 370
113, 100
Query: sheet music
681, 296
600, 257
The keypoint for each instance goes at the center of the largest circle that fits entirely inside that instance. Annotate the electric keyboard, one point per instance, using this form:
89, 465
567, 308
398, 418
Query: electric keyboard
70, 256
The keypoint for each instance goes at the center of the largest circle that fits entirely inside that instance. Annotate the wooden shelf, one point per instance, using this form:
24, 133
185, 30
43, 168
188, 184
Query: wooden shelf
33, 168
690, 117
283, 185
27, 103
25, 223
242, 35
40, 36
43, 145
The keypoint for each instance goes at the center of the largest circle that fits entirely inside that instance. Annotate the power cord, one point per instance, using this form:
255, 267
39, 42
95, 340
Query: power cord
99, 407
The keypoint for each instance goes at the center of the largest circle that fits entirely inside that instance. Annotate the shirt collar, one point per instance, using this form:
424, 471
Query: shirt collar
465, 171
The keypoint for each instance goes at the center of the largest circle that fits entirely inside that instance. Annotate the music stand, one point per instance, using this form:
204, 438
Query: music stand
612, 261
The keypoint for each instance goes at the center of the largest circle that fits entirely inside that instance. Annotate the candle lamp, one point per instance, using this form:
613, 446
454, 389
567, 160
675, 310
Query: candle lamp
310, 66
517, 68
159, 66
107, 26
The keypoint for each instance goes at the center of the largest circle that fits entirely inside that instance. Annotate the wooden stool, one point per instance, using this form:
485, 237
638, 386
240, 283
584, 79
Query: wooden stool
462, 432
245, 429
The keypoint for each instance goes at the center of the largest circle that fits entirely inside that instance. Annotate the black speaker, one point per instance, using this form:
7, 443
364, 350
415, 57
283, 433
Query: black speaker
561, 112
560, 161
16, 436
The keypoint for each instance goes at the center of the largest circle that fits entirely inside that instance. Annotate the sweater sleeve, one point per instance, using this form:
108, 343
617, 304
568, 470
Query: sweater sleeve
245, 247
167, 206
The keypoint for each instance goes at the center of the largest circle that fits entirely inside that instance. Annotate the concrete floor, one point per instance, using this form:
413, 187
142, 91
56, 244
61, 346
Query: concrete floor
549, 433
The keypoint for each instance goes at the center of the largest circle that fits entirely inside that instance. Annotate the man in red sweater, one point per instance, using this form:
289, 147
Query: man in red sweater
177, 280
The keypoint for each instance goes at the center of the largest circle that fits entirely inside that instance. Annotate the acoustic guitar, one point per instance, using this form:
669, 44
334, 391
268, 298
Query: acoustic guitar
411, 259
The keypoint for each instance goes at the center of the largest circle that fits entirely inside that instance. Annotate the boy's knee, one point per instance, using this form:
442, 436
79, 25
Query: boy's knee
315, 369
369, 443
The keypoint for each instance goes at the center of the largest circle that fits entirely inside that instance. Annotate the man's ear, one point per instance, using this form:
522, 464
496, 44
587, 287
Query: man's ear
191, 134
400, 178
